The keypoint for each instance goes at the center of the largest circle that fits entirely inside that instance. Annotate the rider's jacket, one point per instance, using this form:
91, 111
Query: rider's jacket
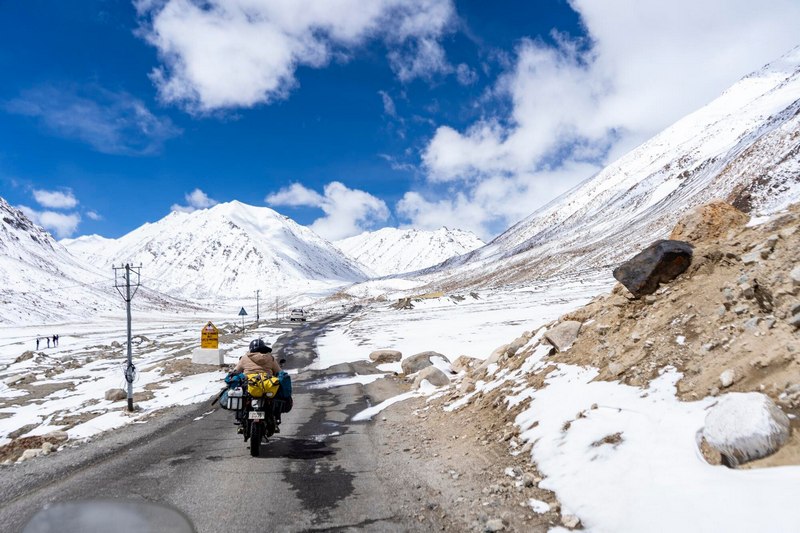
257, 362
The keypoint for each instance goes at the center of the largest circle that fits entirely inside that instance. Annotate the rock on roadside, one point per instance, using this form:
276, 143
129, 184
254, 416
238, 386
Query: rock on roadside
115, 395
563, 335
435, 377
745, 426
385, 356
495, 524
570, 521
727, 378
661, 262
415, 363
30, 453
491, 360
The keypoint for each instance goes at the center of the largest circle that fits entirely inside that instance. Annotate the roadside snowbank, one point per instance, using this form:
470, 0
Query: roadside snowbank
453, 326
626, 459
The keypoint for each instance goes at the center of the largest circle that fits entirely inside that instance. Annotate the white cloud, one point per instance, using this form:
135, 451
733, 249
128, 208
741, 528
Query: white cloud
397, 164
574, 105
296, 195
94, 215
195, 200
347, 211
61, 224
457, 211
250, 49
55, 199
465, 75
110, 122
388, 104
491, 204
423, 59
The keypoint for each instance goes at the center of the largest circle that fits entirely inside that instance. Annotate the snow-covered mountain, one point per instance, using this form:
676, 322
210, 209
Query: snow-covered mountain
41, 282
392, 251
744, 147
227, 251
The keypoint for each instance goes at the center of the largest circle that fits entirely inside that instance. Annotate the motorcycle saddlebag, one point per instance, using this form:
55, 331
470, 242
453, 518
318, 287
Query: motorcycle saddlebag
223, 399
285, 390
262, 384
287, 405
233, 399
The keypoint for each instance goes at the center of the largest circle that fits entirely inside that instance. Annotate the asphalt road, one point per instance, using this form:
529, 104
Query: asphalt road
319, 474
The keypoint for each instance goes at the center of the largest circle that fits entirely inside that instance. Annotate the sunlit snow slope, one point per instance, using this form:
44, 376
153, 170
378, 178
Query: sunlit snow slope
744, 147
392, 251
227, 251
41, 282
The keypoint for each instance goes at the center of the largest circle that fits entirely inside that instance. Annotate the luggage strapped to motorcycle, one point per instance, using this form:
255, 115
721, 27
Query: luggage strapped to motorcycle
262, 384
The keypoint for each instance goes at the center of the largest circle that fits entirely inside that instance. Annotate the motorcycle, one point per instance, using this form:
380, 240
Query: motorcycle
258, 420
258, 417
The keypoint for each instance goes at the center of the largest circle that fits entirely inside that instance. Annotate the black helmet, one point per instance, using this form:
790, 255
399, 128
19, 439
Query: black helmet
259, 346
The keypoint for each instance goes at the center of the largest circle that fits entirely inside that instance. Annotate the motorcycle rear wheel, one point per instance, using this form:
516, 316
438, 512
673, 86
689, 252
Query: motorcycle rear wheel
256, 432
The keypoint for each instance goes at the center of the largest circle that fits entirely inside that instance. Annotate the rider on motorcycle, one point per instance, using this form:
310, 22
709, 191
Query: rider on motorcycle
258, 359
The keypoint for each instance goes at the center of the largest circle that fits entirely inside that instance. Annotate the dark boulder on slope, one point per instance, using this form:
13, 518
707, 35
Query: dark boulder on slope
661, 262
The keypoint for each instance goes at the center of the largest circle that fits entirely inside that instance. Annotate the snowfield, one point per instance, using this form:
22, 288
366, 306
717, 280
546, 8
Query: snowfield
469, 324
85, 365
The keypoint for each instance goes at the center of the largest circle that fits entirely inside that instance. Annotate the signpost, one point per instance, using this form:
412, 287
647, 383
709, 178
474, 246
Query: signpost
242, 313
209, 337
208, 353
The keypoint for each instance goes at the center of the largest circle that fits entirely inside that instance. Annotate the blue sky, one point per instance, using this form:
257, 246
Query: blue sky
349, 116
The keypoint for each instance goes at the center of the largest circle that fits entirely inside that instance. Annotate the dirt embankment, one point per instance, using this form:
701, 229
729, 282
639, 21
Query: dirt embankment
731, 311
731, 322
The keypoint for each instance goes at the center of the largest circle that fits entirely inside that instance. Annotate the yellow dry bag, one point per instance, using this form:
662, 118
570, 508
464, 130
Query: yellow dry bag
262, 384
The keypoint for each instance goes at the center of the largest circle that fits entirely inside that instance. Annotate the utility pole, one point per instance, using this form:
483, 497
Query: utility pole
130, 370
257, 315
276, 308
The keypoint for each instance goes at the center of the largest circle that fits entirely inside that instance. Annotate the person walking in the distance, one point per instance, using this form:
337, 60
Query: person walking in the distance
37, 343
48, 341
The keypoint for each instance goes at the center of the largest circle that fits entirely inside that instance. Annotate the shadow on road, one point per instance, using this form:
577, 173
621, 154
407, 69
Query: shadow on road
295, 448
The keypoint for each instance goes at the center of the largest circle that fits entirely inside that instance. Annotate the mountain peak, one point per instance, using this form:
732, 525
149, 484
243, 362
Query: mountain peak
227, 251
390, 251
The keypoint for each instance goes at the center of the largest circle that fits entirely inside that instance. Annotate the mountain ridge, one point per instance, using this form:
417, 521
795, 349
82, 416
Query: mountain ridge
390, 251
41, 281
741, 147
235, 248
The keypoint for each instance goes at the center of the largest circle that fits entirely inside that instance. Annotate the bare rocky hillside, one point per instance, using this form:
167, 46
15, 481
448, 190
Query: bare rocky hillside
730, 322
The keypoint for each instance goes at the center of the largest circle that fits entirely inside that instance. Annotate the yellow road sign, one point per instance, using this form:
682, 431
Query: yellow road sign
209, 337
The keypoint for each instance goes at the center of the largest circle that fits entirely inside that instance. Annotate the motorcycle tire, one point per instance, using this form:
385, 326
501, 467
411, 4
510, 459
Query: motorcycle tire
257, 432
270, 425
